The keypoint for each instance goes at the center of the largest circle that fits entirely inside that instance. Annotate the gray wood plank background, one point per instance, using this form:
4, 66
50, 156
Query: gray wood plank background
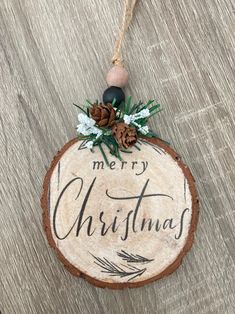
54, 53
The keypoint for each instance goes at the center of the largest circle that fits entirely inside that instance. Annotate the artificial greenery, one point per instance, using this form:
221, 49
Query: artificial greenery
134, 115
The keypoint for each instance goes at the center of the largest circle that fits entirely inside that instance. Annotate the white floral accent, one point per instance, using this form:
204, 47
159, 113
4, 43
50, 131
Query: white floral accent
84, 119
89, 144
87, 126
144, 113
137, 124
128, 119
98, 133
144, 130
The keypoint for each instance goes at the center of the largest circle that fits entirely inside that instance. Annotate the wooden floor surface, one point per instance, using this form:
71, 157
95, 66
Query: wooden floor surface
54, 53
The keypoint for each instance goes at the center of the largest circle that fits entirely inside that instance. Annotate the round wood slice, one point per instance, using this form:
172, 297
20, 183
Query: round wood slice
122, 225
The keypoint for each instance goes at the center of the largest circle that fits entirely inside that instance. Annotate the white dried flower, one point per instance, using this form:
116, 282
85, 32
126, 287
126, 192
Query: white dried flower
144, 113
87, 126
137, 124
84, 129
89, 144
98, 132
84, 119
128, 119
144, 130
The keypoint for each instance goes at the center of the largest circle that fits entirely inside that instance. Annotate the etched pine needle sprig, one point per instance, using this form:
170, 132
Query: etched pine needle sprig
133, 258
122, 271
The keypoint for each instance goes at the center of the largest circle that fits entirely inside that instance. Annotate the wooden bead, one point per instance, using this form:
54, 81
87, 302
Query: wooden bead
117, 76
113, 92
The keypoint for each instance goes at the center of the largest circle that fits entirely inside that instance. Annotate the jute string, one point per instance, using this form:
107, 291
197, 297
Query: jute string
129, 6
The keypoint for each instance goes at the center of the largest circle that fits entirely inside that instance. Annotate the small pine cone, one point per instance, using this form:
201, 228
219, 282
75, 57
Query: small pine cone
125, 135
103, 114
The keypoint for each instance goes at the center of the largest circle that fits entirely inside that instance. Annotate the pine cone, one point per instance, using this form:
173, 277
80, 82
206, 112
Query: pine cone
103, 114
125, 135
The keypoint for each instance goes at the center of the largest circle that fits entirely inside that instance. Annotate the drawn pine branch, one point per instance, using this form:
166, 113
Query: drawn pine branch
121, 271
133, 258
82, 145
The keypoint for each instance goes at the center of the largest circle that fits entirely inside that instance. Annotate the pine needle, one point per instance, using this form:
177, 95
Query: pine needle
80, 108
104, 155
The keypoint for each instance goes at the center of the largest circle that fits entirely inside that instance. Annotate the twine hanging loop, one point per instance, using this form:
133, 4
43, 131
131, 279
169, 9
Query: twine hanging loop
129, 6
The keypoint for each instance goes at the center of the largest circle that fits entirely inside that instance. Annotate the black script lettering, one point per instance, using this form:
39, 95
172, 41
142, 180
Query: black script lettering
177, 237
127, 226
123, 163
89, 218
112, 165
150, 224
113, 225
58, 203
79, 218
133, 164
168, 223
139, 199
145, 166
98, 164
157, 226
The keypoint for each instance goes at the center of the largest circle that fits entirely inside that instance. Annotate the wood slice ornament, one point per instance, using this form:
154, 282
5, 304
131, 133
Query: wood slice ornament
124, 215
122, 225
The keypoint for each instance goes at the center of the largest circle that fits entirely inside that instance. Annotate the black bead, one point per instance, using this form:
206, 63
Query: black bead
113, 92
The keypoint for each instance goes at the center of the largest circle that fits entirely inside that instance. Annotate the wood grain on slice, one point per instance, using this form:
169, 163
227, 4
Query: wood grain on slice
122, 225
